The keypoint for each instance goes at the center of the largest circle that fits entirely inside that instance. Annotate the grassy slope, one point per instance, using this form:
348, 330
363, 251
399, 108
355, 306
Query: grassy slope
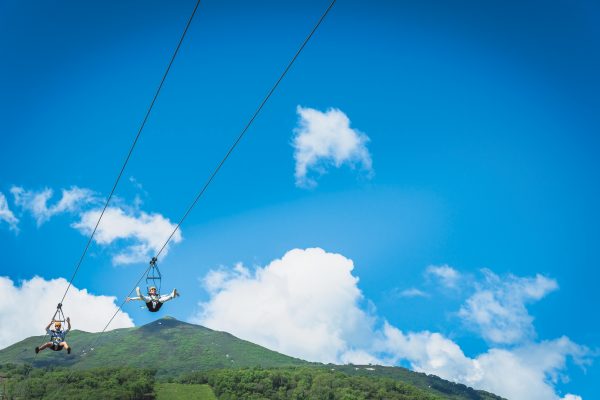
173, 347
178, 391
167, 345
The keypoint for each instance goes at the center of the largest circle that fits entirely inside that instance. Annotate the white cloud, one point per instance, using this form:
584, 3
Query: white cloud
307, 304
37, 202
216, 280
137, 235
572, 397
524, 373
27, 308
142, 234
323, 139
304, 304
447, 275
427, 352
497, 308
7, 215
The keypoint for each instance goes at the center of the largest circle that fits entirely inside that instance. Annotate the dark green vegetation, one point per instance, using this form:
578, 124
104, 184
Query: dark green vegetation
303, 383
313, 382
308, 382
192, 356
21, 382
433, 383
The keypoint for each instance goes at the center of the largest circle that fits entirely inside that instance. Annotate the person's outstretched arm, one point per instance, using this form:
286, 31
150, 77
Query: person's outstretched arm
68, 324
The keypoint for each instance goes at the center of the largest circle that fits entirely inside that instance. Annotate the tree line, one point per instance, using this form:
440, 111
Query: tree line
25, 382
19, 382
302, 383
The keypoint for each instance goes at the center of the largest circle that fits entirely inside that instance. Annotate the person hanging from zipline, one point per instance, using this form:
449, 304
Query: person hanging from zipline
57, 337
154, 300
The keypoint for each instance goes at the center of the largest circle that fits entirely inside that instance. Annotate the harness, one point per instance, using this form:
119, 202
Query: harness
154, 305
57, 336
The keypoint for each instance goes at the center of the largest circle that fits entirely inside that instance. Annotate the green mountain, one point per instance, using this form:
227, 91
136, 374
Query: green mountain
196, 354
167, 345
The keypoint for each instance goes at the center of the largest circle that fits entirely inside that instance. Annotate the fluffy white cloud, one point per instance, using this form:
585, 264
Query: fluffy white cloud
26, 308
7, 215
497, 308
427, 352
325, 138
136, 235
524, 373
307, 304
37, 202
142, 234
447, 275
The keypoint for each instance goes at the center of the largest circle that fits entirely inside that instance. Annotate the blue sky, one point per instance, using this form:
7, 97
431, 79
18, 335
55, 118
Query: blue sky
481, 119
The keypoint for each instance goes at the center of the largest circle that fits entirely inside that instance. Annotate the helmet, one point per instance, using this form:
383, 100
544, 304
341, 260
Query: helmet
151, 287
57, 323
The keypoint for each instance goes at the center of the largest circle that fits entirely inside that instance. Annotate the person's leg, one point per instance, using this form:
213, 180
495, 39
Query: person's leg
66, 346
169, 296
42, 347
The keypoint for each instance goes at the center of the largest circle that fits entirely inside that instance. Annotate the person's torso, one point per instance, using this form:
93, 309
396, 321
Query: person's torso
57, 336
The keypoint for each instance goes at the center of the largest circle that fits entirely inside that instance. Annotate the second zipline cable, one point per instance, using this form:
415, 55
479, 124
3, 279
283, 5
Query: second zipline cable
233, 146
132, 147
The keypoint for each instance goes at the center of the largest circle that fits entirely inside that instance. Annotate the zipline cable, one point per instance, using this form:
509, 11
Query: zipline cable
239, 138
118, 310
243, 132
95, 342
132, 147
164, 77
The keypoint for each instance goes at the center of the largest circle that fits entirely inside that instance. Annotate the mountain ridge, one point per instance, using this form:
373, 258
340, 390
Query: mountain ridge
174, 348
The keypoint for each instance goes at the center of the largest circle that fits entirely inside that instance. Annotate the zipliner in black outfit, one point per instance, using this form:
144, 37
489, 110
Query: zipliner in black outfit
154, 301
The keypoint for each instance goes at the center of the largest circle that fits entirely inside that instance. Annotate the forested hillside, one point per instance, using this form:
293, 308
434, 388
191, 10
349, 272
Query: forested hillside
128, 363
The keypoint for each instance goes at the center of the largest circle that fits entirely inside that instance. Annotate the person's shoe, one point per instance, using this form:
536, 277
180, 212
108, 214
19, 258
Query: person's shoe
69, 350
37, 350
175, 293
